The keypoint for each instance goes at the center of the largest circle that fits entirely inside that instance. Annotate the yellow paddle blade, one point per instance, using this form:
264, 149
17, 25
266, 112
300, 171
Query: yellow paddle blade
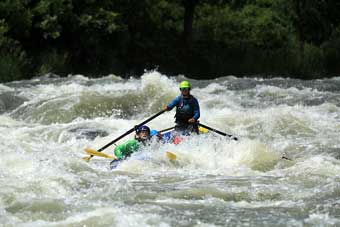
97, 153
87, 158
203, 130
171, 156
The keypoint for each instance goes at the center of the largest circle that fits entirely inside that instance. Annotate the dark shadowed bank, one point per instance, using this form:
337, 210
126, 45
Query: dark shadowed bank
198, 38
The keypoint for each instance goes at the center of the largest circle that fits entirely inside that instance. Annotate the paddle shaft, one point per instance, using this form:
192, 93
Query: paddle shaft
131, 130
167, 129
217, 131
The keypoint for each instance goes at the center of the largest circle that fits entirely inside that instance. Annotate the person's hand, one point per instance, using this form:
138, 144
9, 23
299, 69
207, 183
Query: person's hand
192, 120
165, 108
159, 135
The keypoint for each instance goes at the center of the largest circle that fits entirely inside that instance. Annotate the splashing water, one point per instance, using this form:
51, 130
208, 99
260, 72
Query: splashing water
46, 123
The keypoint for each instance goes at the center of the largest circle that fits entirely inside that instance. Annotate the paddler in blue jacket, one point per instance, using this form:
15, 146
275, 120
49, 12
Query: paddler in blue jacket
187, 110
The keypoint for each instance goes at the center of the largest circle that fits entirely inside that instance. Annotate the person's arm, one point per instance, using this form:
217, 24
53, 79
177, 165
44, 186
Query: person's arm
173, 103
196, 110
118, 151
126, 149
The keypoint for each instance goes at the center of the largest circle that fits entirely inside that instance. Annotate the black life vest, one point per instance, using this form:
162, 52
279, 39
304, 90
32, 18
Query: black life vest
185, 110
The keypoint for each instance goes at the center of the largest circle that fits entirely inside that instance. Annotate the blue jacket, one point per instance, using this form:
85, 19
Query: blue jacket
186, 108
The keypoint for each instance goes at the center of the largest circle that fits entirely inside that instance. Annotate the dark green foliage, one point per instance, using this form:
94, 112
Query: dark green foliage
331, 50
13, 59
199, 38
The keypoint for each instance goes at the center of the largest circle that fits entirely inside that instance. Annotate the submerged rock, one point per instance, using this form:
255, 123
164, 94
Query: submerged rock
9, 101
88, 133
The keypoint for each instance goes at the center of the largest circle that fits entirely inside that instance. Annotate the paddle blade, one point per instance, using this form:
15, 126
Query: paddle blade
97, 153
87, 159
203, 130
171, 156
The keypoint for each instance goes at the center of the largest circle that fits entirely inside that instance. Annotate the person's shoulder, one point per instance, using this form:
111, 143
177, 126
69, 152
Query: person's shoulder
131, 141
194, 98
177, 98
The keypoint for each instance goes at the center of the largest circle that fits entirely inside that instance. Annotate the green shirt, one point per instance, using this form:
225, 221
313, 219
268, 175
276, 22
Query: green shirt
126, 149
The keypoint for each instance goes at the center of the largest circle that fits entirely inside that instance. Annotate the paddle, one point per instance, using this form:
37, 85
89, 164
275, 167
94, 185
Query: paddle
97, 153
233, 137
217, 131
167, 129
201, 129
171, 156
125, 134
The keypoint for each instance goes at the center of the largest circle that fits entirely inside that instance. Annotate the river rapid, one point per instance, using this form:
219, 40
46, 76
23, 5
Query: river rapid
46, 123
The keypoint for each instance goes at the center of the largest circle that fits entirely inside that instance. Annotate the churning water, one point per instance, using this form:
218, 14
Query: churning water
46, 123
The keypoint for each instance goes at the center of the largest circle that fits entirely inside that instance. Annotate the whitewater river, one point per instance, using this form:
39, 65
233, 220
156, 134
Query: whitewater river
45, 124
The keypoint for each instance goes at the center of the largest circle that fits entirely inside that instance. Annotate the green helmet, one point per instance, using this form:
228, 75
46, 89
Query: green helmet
184, 84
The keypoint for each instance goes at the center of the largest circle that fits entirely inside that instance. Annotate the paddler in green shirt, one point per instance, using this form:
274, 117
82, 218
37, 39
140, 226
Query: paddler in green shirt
126, 149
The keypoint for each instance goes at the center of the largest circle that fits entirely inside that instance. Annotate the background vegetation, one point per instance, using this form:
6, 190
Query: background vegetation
198, 38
